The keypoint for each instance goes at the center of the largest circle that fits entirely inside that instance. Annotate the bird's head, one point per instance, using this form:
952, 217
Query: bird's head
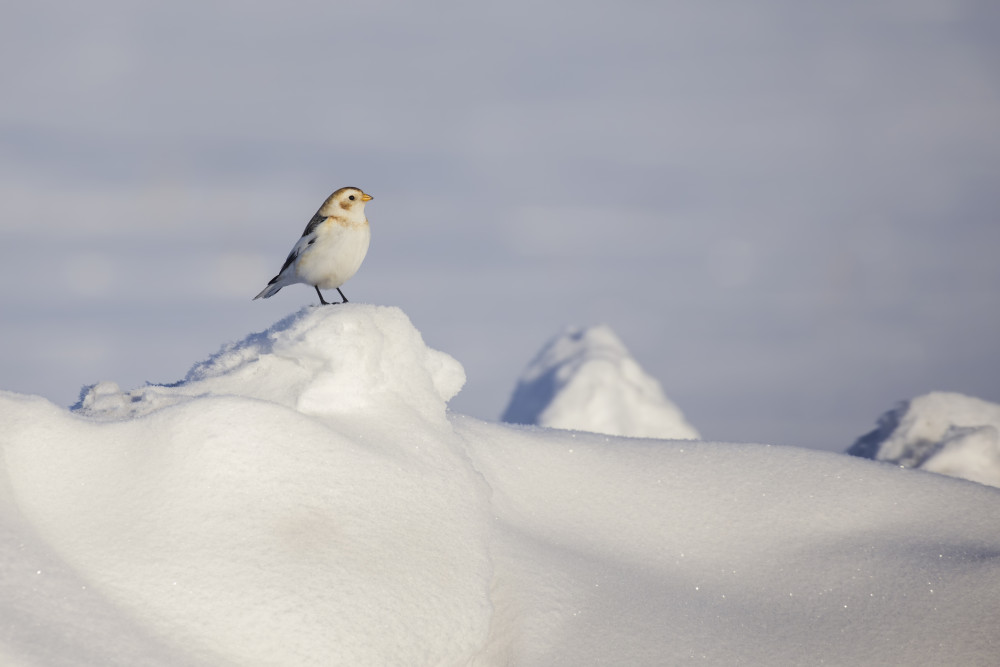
345, 202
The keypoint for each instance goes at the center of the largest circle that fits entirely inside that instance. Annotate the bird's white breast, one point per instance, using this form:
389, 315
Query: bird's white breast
336, 255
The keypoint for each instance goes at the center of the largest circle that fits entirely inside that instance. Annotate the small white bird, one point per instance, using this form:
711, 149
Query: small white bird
331, 248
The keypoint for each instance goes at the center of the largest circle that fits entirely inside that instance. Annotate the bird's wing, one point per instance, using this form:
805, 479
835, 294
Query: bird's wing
316, 221
307, 238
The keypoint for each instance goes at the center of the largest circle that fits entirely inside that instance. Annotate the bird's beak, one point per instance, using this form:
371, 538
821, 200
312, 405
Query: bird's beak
365, 197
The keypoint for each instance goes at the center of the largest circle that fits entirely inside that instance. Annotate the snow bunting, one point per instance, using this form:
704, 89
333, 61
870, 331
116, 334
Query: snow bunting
331, 248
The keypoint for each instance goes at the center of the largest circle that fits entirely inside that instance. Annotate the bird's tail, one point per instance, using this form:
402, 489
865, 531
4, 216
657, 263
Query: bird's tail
272, 288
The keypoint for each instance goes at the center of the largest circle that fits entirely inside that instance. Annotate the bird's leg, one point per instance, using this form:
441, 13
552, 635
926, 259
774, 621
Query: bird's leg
322, 301
342, 296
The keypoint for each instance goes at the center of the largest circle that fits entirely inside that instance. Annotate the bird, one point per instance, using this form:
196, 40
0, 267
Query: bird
331, 248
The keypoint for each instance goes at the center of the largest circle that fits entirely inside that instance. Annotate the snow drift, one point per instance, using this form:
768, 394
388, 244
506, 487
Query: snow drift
265, 510
941, 432
586, 380
304, 497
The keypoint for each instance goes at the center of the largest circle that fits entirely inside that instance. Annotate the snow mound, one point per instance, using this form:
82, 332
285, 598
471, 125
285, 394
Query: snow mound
586, 380
321, 361
298, 499
940, 432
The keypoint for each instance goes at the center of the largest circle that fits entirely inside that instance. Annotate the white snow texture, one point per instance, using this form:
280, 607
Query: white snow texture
304, 497
586, 380
939, 432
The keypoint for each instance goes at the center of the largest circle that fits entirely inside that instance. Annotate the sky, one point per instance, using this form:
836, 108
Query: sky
787, 212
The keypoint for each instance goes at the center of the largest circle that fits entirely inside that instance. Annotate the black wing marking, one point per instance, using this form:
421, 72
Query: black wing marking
316, 221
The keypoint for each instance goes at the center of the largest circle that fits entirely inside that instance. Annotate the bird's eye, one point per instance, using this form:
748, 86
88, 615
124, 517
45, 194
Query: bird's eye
351, 197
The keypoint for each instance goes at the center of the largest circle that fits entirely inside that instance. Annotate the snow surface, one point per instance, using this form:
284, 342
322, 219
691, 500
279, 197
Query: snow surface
585, 379
304, 497
941, 432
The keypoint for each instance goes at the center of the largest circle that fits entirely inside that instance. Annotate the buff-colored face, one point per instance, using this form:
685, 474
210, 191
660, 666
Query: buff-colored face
346, 203
350, 198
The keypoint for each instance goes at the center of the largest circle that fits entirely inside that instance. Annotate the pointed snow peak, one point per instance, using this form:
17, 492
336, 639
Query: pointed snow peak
585, 379
941, 432
333, 360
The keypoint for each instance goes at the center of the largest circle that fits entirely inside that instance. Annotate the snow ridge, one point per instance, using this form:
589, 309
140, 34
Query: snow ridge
317, 361
304, 497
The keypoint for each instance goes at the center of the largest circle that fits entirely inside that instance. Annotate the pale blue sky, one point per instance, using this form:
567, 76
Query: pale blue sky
787, 211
